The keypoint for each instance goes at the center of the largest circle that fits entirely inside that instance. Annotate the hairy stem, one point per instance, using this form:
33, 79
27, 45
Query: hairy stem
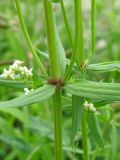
58, 125
84, 138
27, 37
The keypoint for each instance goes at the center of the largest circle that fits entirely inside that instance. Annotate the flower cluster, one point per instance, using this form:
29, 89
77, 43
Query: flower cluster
17, 72
89, 107
27, 91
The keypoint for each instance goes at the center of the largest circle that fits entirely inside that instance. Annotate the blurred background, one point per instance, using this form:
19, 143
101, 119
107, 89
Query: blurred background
27, 133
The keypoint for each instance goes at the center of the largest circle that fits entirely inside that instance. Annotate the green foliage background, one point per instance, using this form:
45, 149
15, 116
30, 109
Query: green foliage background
27, 133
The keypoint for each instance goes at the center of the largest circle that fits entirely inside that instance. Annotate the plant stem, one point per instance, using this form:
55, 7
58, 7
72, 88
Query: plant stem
58, 125
55, 74
78, 50
92, 26
52, 42
66, 23
27, 37
84, 138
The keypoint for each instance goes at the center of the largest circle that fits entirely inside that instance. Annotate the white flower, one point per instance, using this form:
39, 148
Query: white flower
27, 91
30, 72
12, 76
13, 67
89, 107
17, 62
17, 76
16, 71
6, 74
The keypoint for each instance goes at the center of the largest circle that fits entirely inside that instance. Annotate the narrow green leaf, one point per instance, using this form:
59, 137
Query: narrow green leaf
105, 66
114, 142
77, 110
35, 96
96, 91
94, 128
43, 54
61, 55
12, 83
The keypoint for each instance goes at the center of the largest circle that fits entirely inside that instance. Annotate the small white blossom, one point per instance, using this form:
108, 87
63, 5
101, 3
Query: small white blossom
89, 107
6, 74
17, 76
27, 91
14, 67
12, 76
17, 62
17, 71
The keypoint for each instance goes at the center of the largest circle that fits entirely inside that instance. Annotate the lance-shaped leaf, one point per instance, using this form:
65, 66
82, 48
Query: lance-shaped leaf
94, 128
12, 84
61, 55
77, 110
94, 90
105, 66
35, 96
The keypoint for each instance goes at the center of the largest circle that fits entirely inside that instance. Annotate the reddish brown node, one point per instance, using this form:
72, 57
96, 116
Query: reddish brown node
56, 82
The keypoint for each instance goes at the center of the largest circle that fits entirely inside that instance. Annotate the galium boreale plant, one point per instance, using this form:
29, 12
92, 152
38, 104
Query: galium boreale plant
62, 80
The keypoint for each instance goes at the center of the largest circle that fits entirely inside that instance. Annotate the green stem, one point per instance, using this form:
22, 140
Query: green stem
52, 42
66, 23
92, 26
58, 125
84, 138
27, 37
55, 74
78, 50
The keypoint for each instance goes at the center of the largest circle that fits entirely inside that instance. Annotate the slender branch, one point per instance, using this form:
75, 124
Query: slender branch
27, 37
92, 26
84, 138
58, 125
78, 50
67, 23
52, 42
